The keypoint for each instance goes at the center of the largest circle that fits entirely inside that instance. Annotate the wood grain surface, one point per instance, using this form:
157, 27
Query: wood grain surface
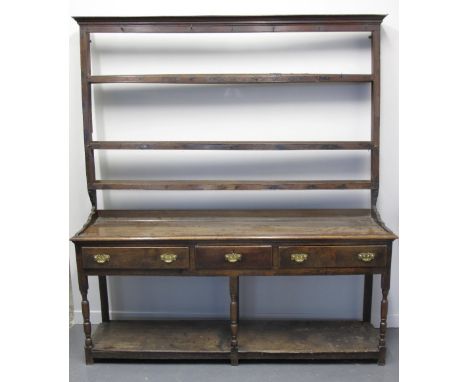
256, 339
234, 225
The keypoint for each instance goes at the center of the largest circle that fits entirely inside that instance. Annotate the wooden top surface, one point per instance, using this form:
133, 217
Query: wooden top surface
230, 24
115, 225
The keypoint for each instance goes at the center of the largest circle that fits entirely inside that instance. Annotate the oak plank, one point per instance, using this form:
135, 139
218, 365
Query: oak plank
233, 145
240, 78
234, 225
195, 339
231, 185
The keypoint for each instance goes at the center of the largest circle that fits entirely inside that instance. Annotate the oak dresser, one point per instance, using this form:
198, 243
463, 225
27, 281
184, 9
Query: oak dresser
233, 243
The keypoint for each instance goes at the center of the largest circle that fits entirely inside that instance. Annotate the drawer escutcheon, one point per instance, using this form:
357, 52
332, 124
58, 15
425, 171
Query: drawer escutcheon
366, 257
101, 258
168, 257
299, 257
233, 257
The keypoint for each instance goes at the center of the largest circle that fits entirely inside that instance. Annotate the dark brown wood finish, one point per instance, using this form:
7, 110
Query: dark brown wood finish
231, 24
231, 185
234, 313
86, 94
233, 257
135, 257
188, 226
240, 145
228, 78
385, 285
297, 257
367, 300
375, 158
231, 243
307, 339
320, 340
162, 339
103, 295
83, 286
375, 117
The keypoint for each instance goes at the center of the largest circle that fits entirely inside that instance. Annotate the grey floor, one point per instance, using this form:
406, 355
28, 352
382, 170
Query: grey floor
217, 372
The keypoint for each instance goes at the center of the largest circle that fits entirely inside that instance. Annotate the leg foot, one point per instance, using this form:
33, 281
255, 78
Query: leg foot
234, 360
382, 353
88, 357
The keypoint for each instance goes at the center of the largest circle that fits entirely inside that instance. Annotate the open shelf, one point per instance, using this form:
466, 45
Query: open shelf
231, 185
202, 339
244, 78
308, 339
162, 339
224, 145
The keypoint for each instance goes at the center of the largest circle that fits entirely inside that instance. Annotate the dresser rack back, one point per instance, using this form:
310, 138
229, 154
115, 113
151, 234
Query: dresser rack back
230, 24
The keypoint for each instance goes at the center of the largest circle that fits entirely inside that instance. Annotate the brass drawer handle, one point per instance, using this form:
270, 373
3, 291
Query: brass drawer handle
101, 258
366, 257
168, 257
299, 257
233, 257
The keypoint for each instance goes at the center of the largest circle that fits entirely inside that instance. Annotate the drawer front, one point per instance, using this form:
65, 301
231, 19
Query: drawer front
295, 257
135, 257
233, 257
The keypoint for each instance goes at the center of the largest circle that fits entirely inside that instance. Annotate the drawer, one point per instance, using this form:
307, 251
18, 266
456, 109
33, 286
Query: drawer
233, 257
332, 256
135, 257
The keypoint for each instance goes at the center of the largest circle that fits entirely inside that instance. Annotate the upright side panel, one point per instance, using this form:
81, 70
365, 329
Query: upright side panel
375, 122
87, 112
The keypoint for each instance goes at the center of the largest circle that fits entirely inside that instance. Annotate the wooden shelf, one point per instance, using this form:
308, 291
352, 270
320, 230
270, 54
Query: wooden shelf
239, 145
230, 225
244, 78
162, 339
231, 185
257, 340
307, 339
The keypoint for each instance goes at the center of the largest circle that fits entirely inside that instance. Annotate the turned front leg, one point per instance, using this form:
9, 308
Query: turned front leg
385, 282
83, 281
234, 313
